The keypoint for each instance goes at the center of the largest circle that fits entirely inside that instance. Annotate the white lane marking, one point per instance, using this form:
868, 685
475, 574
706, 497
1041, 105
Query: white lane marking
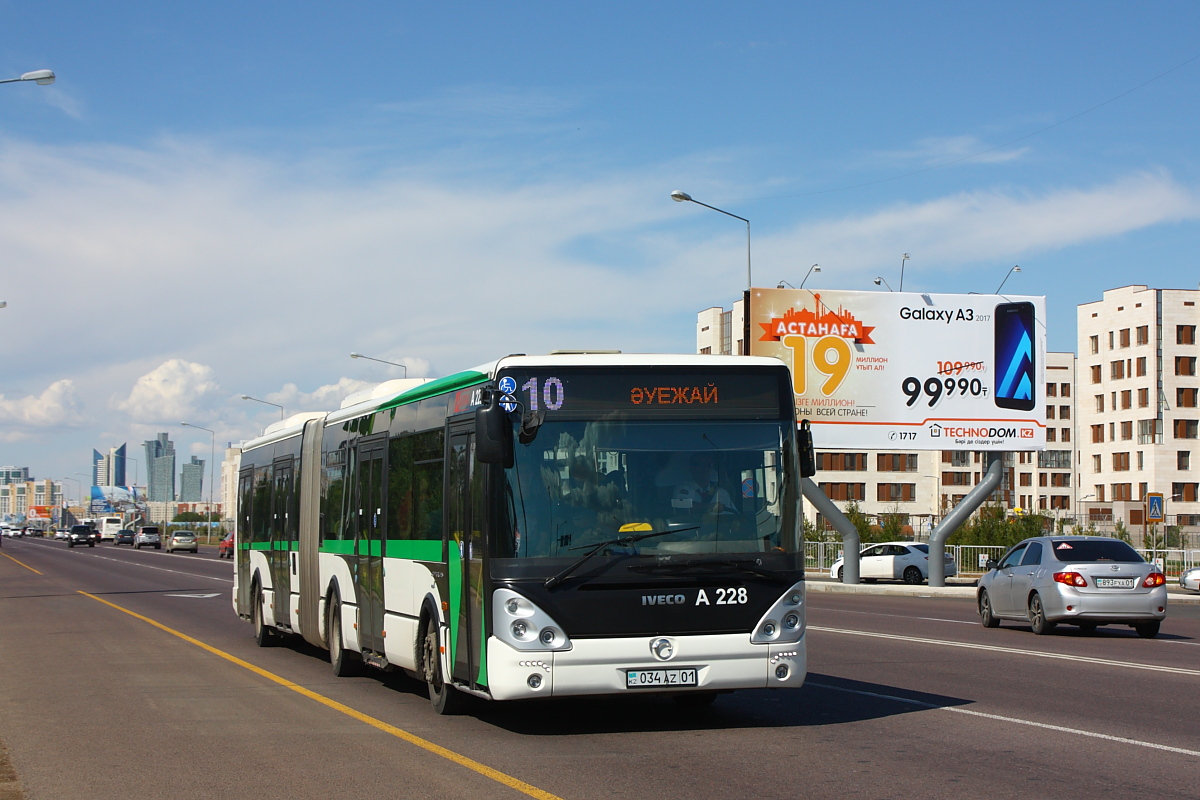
1014, 720
160, 569
897, 616
1011, 650
197, 596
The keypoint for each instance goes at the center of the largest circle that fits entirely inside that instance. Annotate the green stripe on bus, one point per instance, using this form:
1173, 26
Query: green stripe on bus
450, 383
343, 547
417, 550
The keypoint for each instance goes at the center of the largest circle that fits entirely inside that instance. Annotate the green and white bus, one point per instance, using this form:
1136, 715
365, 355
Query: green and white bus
540, 526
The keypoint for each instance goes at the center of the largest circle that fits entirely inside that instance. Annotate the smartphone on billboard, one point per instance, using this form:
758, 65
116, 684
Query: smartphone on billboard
1016, 372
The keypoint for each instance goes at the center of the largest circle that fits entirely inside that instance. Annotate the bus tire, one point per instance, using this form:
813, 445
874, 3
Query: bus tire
445, 698
263, 636
345, 662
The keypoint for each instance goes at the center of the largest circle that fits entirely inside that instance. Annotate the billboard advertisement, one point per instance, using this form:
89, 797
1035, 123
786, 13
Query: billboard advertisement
909, 371
112, 499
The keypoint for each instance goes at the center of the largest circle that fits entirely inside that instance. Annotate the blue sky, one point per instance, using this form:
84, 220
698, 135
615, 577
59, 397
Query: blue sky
229, 198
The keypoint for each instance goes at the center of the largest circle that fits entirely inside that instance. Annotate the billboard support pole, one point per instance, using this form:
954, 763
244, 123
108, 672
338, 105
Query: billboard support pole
841, 523
959, 514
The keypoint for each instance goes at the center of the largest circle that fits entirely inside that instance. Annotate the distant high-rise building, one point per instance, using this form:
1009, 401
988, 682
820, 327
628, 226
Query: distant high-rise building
109, 470
191, 484
13, 475
160, 469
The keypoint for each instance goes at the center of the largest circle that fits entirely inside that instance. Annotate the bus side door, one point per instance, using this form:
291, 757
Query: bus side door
282, 524
465, 551
372, 525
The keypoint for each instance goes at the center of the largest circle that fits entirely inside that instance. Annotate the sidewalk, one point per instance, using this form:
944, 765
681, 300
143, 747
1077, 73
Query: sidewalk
955, 587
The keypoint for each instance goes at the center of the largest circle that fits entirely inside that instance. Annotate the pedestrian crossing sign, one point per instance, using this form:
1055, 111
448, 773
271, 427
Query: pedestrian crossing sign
1154, 507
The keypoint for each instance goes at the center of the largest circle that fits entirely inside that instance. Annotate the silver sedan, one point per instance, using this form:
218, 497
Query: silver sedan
1190, 579
1078, 580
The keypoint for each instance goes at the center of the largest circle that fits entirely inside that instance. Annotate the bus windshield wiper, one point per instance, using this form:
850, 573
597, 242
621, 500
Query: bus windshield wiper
745, 565
555, 580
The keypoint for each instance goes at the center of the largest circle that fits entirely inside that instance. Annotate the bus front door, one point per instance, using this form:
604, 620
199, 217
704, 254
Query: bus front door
372, 526
465, 556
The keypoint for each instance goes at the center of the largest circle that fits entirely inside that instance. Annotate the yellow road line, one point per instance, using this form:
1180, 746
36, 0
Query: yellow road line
413, 739
26, 566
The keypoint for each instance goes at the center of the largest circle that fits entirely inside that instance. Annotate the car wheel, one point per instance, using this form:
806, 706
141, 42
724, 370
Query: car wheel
444, 697
986, 616
70, 544
1087, 627
345, 662
912, 576
1147, 630
263, 636
91, 544
158, 547
1037, 616
869, 580
837, 576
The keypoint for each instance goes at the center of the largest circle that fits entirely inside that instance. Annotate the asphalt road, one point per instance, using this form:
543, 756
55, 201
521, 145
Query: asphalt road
906, 697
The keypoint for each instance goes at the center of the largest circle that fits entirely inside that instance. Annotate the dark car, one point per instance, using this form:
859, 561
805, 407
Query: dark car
82, 534
124, 537
225, 548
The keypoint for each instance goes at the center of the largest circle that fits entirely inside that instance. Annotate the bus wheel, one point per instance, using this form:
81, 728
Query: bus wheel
345, 662
263, 636
444, 697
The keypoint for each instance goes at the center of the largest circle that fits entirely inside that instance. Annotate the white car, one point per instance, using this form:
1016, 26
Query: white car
1190, 579
896, 561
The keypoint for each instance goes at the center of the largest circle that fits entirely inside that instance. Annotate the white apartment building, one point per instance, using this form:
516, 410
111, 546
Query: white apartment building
1138, 417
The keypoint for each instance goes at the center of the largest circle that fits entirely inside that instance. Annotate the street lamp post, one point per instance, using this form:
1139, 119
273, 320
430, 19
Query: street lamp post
211, 463
882, 280
902, 260
1012, 269
684, 197
265, 403
811, 270
381, 361
42, 77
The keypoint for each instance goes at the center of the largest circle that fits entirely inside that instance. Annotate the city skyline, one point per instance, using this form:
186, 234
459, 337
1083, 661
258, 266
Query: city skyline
222, 226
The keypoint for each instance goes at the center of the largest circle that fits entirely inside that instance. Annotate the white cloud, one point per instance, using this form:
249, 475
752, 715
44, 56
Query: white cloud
323, 398
938, 150
169, 392
57, 406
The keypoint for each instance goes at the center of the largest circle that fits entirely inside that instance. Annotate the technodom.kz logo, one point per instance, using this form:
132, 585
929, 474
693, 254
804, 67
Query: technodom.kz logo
935, 431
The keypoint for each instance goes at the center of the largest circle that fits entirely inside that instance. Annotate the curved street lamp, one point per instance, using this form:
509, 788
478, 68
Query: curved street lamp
212, 457
42, 77
902, 260
811, 270
265, 403
381, 361
1014, 268
880, 280
683, 197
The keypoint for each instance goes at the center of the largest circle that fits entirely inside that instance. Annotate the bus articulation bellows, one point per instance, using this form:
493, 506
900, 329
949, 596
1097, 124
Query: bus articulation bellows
539, 526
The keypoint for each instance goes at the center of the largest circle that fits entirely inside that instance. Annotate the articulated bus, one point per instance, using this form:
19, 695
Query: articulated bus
540, 526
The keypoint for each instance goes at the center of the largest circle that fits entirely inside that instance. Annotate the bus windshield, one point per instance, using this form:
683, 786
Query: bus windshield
713, 487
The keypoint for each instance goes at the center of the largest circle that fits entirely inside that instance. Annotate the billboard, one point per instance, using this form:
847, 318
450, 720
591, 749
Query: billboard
112, 499
909, 371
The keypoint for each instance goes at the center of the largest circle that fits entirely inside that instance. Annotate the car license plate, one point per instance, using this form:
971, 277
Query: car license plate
1115, 583
654, 678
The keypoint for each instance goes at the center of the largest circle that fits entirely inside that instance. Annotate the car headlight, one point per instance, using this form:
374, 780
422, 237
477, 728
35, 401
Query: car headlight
523, 626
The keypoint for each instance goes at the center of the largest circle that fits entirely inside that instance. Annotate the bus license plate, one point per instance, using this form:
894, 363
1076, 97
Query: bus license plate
654, 678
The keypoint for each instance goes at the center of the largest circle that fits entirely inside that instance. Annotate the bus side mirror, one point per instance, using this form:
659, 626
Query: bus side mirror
493, 433
808, 455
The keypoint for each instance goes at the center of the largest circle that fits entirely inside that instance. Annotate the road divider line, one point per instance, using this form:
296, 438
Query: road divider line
413, 739
1013, 720
26, 566
1011, 651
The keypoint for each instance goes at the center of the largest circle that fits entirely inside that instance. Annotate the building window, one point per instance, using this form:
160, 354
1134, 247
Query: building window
1096, 374
1042, 478
845, 491
1185, 428
1099, 487
1098, 434
1127, 430
896, 462
1094, 341
1140, 460
1051, 389
1184, 491
1150, 431
1140, 366
1124, 337
1143, 334
957, 458
1185, 334
956, 479
1111, 336
842, 462
1049, 412
1122, 491
1027, 479
1060, 480
1050, 434
1099, 404
1117, 370
1185, 365
1112, 430
1183, 460
706, 351
1060, 502
1096, 465
1120, 462
1143, 398
1066, 435
1064, 412
1064, 390
896, 492
1127, 398
1185, 398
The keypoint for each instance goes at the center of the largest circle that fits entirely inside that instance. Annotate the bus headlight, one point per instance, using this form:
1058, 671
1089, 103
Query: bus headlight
523, 626
790, 609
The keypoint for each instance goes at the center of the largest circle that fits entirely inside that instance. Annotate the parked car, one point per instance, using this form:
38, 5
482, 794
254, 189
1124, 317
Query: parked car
905, 561
147, 536
1079, 580
124, 536
225, 548
183, 540
1190, 579
82, 534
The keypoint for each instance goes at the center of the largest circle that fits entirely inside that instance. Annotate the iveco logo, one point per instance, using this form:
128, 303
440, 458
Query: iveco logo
662, 649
